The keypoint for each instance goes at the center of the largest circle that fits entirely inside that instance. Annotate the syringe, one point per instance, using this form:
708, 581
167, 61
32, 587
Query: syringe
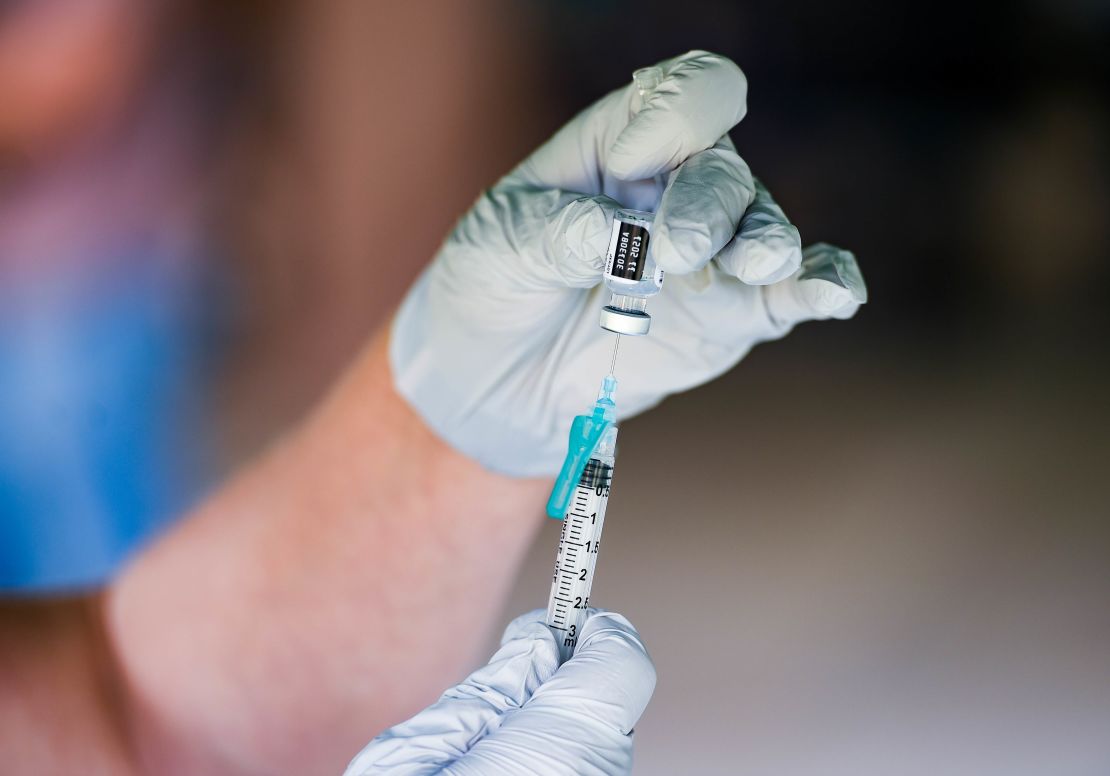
580, 496
581, 492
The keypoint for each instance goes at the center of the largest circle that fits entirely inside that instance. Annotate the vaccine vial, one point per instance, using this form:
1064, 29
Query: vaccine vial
630, 274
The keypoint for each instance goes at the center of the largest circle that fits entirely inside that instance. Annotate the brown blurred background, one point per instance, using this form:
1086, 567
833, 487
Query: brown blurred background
880, 546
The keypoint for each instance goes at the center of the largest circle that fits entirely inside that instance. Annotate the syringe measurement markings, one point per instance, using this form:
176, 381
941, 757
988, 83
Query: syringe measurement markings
575, 563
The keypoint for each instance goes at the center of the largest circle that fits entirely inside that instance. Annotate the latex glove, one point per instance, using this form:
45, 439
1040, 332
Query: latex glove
498, 346
524, 713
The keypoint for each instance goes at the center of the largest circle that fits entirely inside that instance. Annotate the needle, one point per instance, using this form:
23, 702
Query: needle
613, 364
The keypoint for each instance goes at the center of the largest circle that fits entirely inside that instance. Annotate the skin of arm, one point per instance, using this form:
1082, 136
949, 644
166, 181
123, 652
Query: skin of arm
59, 698
313, 601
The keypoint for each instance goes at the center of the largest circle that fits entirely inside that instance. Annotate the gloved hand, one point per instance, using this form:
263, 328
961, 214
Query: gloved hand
498, 346
524, 713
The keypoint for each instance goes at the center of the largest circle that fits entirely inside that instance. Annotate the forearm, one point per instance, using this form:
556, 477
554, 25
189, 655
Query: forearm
318, 597
58, 710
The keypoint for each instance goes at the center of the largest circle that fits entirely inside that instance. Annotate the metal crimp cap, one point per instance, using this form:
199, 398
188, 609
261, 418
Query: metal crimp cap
631, 322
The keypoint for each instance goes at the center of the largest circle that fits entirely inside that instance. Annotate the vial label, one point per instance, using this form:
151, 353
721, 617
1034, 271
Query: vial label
627, 251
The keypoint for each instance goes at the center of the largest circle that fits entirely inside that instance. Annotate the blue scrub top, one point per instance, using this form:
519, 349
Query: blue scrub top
101, 443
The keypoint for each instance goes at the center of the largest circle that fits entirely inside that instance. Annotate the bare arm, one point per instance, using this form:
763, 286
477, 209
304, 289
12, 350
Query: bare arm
59, 708
317, 598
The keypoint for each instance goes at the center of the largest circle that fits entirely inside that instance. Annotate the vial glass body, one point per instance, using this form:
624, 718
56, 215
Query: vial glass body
629, 268
631, 275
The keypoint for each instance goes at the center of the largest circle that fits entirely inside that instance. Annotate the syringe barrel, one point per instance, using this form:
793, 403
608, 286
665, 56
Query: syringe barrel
579, 543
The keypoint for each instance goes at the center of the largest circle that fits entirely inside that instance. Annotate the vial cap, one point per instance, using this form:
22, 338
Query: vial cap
630, 322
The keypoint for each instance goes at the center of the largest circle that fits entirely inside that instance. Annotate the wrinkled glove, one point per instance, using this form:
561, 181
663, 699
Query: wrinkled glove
524, 713
497, 345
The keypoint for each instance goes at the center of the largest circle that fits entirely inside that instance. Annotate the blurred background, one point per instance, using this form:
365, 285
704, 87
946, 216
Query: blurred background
880, 546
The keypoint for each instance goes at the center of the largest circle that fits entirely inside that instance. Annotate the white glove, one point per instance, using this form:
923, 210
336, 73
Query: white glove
524, 713
498, 346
